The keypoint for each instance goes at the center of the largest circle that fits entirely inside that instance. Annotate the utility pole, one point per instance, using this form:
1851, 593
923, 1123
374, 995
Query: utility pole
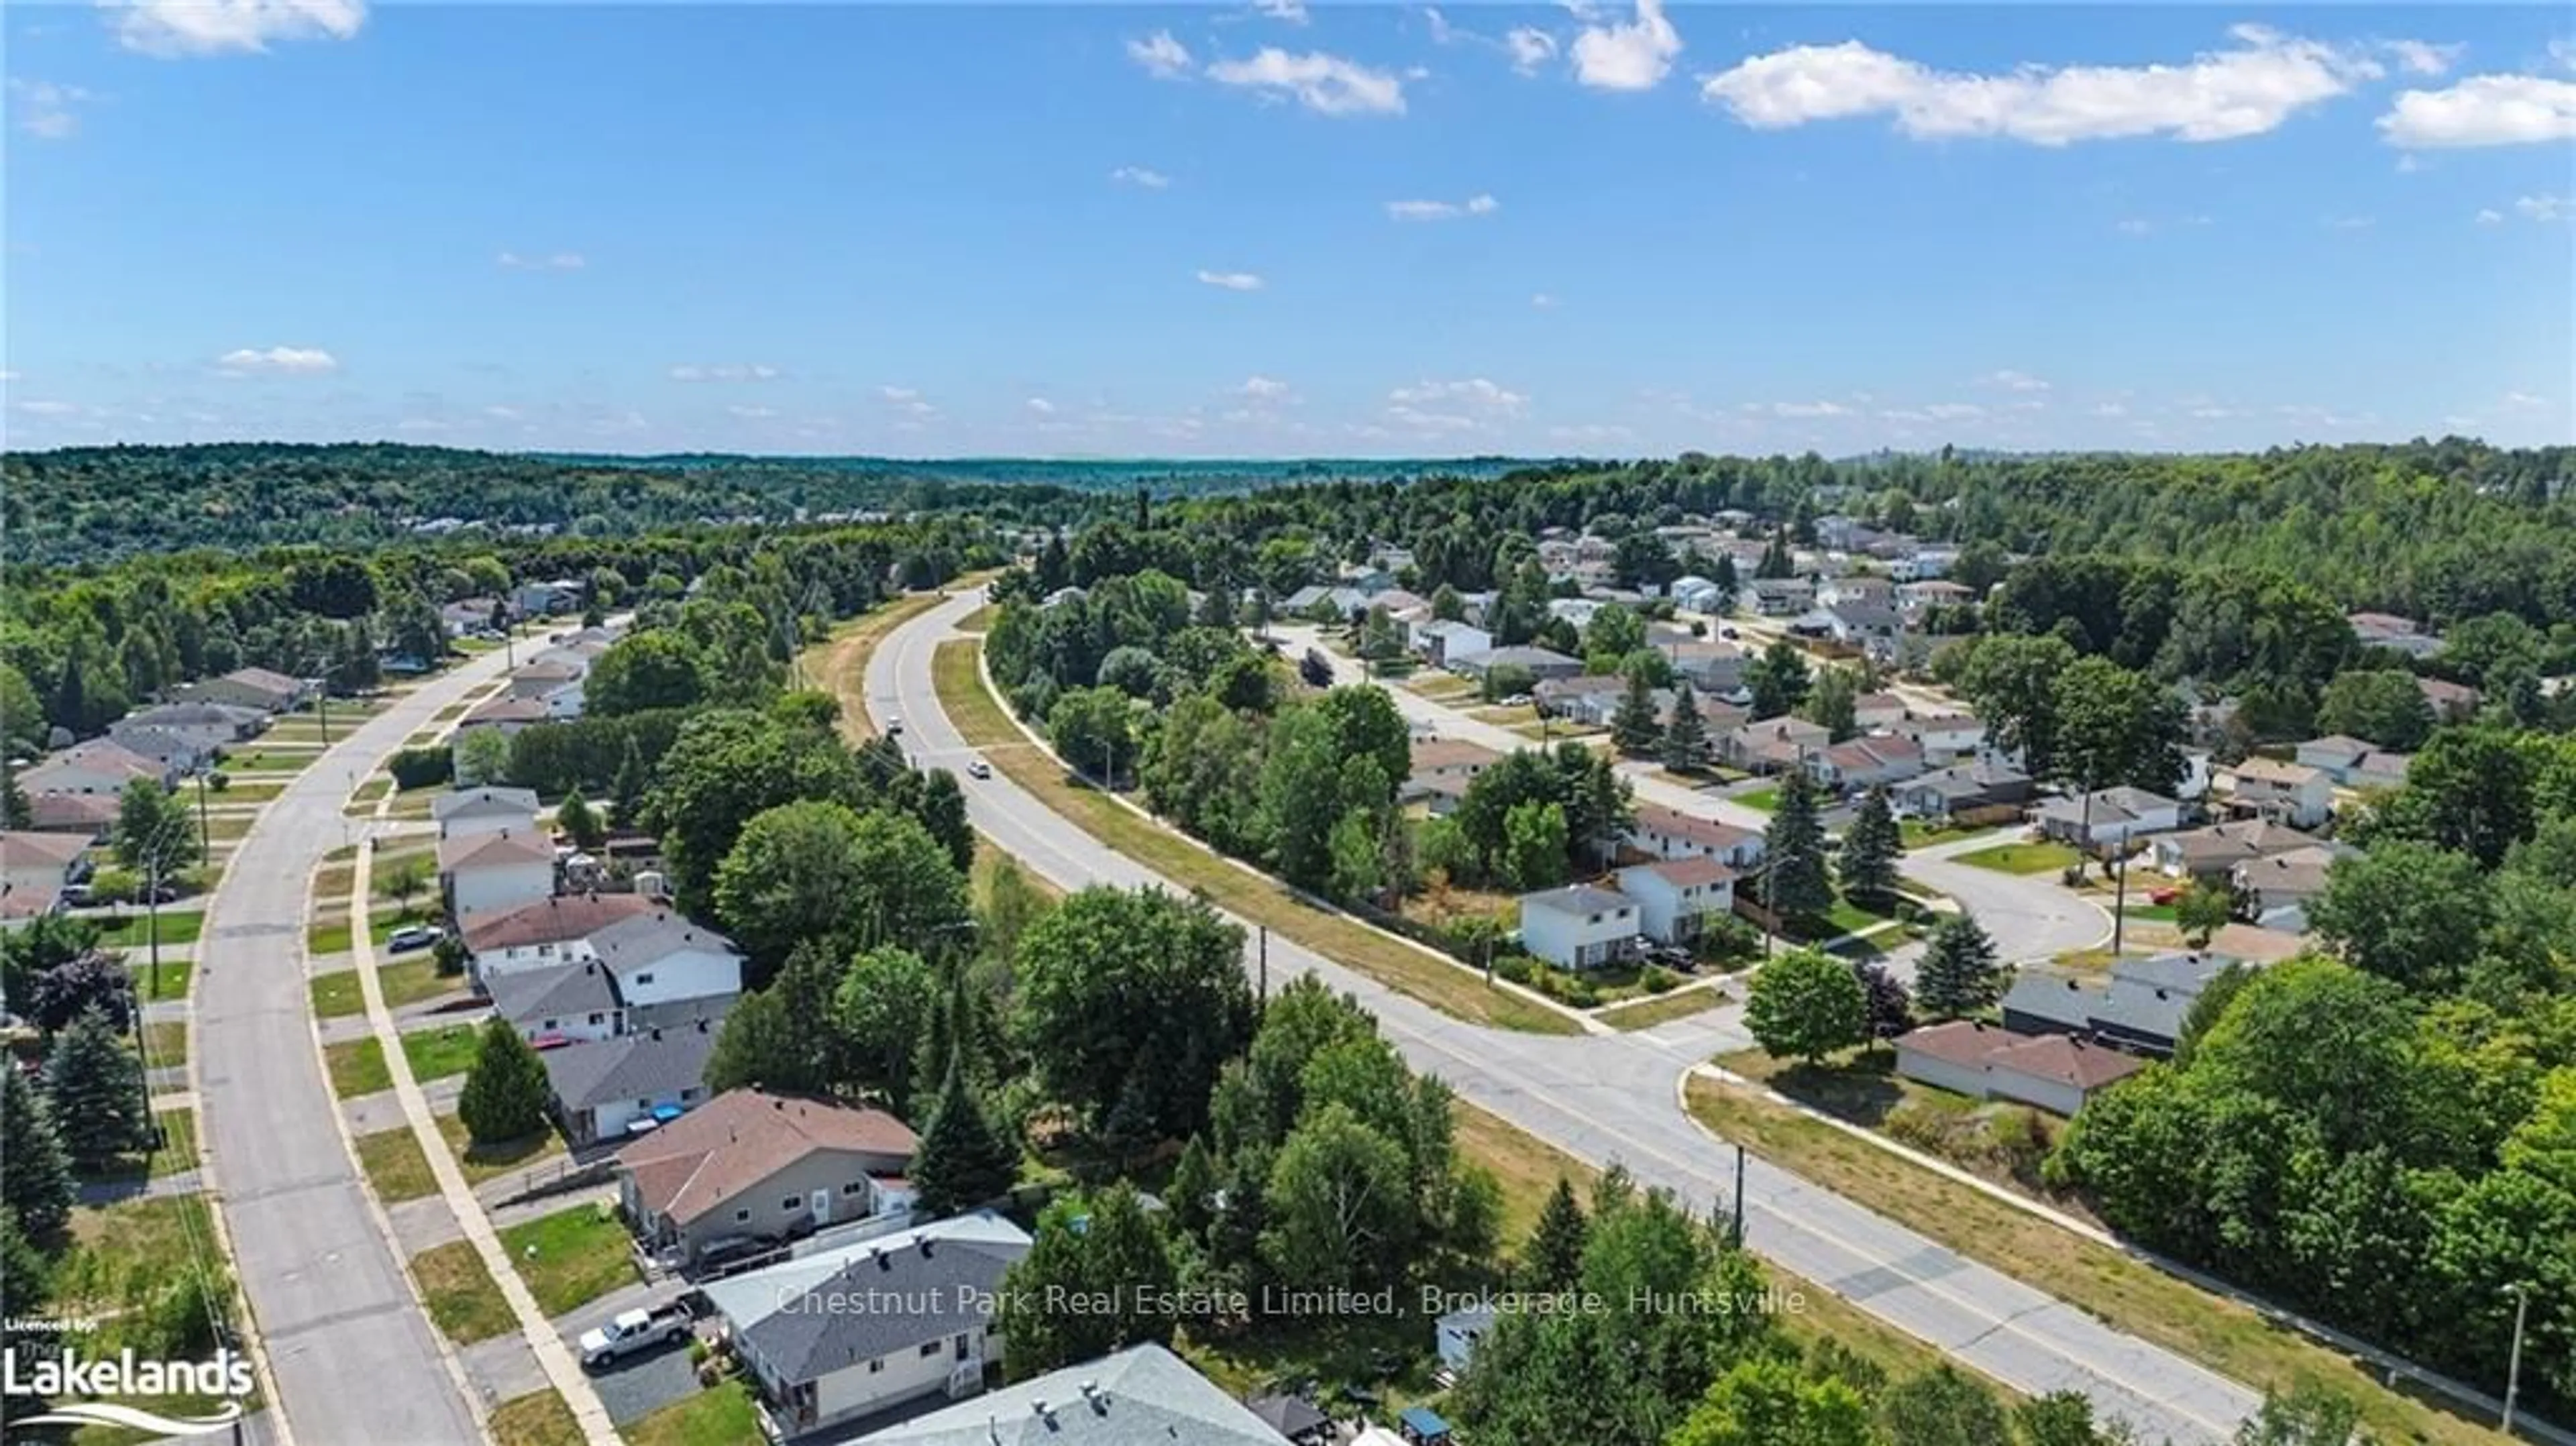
2513, 1370
2120, 904
205, 831
1739, 1197
1265, 963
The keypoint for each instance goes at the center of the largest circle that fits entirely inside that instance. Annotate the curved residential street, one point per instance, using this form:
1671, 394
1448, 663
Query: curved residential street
353, 1358
1614, 1097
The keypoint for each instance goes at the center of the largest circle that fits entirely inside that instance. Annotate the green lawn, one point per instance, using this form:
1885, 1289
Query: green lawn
178, 1150
395, 1165
539, 1418
1918, 834
571, 1257
488, 1162
438, 1053
176, 975
460, 1294
357, 1067
721, 1416
270, 760
134, 931
2045, 857
165, 1043
1766, 799
414, 979
322, 940
336, 995
1660, 1009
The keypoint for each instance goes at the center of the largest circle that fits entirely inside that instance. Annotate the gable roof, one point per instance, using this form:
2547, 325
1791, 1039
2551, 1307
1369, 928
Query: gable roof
497, 849
1451, 753
631, 1066
557, 991
265, 680
640, 939
485, 802
2066, 1060
2341, 745
1692, 872
1708, 832
104, 755
23, 849
1141, 1396
558, 919
742, 1137
2273, 773
507, 710
1578, 899
83, 813
943, 1276
186, 714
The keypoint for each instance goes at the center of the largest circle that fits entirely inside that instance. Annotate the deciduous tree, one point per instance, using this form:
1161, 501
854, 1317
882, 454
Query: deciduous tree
1807, 1004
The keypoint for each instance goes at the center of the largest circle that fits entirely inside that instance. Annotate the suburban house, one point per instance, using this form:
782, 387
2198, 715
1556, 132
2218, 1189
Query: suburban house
1772, 744
1711, 667
605, 1089
1700, 595
1451, 758
2053, 1072
33, 869
2382, 630
1943, 737
1574, 697
1874, 711
1579, 926
1856, 588
2215, 851
818, 1366
2336, 754
1872, 626
1973, 791
1782, 597
551, 931
468, 616
2451, 702
1438, 795
2291, 793
483, 873
1141, 1396
170, 751
1674, 898
537, 599
543, 676
2107, 817
1542, 663
209, 728
1923, 562
82, 815
2379, 768
2140, 1007
667, 969
1580, 611
100, 766
559, 1004
464, 812
1438, 641
259, 688
2274, 891
1669, 833
507, 713
748, 1164
1918, 597
1865, 763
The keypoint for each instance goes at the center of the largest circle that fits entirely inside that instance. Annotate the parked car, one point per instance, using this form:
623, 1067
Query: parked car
894, 727
1518, 700
632, 1331
75, 895
1727, 633
416, 936
2165, 895
978, 768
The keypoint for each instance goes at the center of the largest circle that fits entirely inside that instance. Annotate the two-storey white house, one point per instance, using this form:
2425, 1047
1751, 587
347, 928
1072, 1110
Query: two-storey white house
1579, 926
490, 809
486, 872
667, 969
1676, 898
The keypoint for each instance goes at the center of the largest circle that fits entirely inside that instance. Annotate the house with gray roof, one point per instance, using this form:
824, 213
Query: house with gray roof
558, 1004
1141, 1396
860, 1329
605, 1089
1579, 926
2140, 1007
1543, 663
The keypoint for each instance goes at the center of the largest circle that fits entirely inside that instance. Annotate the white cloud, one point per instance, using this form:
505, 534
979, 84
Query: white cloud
1041, 406
2545, 207
1140, 176
1231, 280
1799, 409
906, 400
2483, 110
1476, 393
1478, 205
1542, 301
558, 261
278, 361
49, 408
1161, 55
2418, 57
1953, 411
2013, 381
1590, 432
6, 377
1530, 48
1265, 389
213, 27
501, 413
46, 110
2523, 402
2222, 95
2409, 163
1291, 11
2109, 409
2489, 217
1325, 84
751, 413
1632, 56
751, 372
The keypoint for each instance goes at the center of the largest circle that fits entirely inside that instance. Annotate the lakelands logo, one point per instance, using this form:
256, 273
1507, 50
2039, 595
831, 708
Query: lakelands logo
125, 1374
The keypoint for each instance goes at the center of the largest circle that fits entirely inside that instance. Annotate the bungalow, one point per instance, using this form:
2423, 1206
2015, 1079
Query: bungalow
33, 869
1782, 597
1571, 697
1922, 597
207, 727
257, 688
2107, 817
1944, 737
488, 809
2276, 890
1873, 711
757, 1165
2215, 851
559, 1004
1699, 595
605, 1089
1857, 588
100, 766
1675, 898
929, 1327
1542, 663
80, 815
1451, 758
1141, 1394
1579, 926
169, 750
539, 599
2451, 702
2290, 793
2057, 1073
468, 616
2141, 1006
542, 678
488, 872
2335, 753
1711, 667
1772, 744
1873, 626
2380, 768
1865, 763
2400, 635
1438, 641
1669, 833
1962, 791
506, 713
1438, 795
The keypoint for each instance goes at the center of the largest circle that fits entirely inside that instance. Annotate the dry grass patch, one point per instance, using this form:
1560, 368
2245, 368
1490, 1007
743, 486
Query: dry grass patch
396, 1165
460, 1294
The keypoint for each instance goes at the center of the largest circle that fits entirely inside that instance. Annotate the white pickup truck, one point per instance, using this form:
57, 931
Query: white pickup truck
632, 1331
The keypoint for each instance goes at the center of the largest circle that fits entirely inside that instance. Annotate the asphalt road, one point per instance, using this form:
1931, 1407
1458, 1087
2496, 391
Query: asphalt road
1612, 1098
354, 1358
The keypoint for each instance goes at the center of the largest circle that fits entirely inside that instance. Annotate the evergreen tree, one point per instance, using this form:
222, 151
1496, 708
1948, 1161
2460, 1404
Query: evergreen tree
96, 1090
1632, 728
962, 1161
626, 795
15, 811
505, 1093
1553, 1259
37, 1185
1794, 852
1870, 849
1959, 975
1685, 734
1192, 1193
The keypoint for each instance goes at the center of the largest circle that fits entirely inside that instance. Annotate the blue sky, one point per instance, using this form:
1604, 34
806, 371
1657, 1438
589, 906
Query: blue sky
1277, 230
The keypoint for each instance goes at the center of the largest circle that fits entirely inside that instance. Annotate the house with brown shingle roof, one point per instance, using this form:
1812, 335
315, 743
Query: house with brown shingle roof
100, 766
761, 1166
1669, 833
2054, 1072
486, 872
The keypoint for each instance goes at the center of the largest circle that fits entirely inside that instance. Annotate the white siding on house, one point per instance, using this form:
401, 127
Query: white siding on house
491, 887
682, 975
